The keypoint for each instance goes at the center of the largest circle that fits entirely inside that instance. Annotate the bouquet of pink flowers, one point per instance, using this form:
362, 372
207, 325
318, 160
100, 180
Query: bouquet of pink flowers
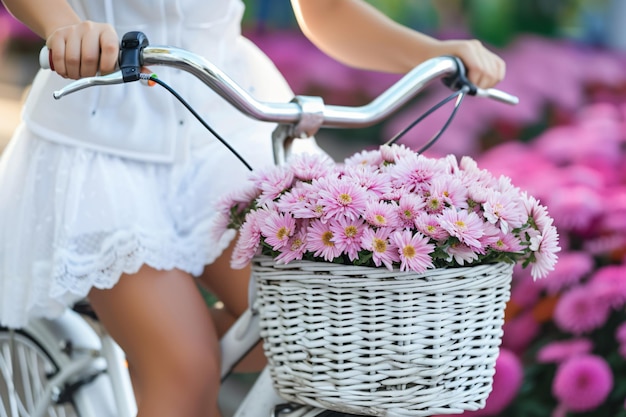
388, 207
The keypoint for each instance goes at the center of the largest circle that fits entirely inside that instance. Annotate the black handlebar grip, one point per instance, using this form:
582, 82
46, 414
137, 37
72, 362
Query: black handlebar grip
460, 80
130, 55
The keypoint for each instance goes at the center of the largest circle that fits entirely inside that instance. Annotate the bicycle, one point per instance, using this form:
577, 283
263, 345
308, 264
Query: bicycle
70, 366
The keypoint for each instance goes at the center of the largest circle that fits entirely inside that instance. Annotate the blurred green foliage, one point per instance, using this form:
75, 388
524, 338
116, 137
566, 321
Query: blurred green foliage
494, 21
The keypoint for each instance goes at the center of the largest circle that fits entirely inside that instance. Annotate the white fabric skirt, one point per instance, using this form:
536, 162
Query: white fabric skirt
72, 219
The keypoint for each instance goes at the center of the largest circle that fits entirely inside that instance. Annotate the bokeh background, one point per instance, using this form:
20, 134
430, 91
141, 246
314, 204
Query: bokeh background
564, 345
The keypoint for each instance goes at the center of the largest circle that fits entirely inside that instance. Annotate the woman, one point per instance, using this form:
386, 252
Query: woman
109, 193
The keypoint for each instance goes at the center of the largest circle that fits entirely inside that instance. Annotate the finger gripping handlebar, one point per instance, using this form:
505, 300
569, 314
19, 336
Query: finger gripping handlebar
45, 59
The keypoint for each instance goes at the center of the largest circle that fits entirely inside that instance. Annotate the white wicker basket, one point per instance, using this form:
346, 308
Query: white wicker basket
374, 342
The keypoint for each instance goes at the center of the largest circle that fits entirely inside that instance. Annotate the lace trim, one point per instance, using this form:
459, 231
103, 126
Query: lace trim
126, 252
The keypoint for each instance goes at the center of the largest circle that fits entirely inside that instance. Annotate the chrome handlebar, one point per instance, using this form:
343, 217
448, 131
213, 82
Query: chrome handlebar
304, 114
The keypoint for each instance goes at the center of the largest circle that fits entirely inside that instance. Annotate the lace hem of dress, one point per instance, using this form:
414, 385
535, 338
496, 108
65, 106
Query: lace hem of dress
125, 252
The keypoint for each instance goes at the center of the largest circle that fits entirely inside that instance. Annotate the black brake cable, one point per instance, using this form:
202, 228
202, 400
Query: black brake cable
459, 95
154, 78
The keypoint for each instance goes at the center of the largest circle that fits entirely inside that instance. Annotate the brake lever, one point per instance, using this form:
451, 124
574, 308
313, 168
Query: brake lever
113, 78
498, 95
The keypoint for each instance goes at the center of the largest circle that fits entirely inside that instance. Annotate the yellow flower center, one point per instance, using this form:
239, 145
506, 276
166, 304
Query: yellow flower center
296, 244
327, 238
460, 223
350, 231
380, 219
380, 245
497, 208
282, 233
345, 199
408, 251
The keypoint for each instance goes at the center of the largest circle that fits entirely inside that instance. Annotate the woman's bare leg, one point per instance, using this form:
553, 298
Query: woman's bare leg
161, 321
230, 286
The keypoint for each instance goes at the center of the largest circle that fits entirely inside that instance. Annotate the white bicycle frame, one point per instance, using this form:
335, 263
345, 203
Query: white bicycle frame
86, 352
94, 351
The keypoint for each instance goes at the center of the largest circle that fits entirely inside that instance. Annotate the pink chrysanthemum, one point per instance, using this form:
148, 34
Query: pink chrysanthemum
461, 253
430, 225
465, 226
503, 210
347, 235
272, 181
277, 229
560, 351
381, 214
391, 154
474, 174
248, 242
219, 226
505, 243
320, 241
545, 247
446, 191
414, 173
307, 166
383, 252
295, 248
583, 383
434, 204
238, 198
578, 311
537, 212
413, 250
409, 208
341, 198
609, 284
367, 158
374, 182
394, 195
300, 201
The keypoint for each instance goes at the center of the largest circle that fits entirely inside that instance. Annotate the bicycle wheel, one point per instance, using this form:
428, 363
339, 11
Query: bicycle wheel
25, 368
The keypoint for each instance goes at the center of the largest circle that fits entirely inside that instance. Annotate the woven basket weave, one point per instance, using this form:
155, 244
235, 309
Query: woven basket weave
375, 342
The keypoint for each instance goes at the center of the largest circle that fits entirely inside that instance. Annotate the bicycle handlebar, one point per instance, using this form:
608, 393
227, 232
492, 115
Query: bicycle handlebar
306, 113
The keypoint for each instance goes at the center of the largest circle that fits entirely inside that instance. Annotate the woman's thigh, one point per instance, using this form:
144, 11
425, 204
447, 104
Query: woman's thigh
229, 285
161, 321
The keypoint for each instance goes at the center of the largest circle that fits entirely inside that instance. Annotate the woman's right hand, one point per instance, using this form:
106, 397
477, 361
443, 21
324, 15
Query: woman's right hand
83, 49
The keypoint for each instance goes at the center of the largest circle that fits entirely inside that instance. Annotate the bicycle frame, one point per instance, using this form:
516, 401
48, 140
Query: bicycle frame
91, 350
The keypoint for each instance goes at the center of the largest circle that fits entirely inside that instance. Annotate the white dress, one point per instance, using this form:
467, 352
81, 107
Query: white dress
111, 178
